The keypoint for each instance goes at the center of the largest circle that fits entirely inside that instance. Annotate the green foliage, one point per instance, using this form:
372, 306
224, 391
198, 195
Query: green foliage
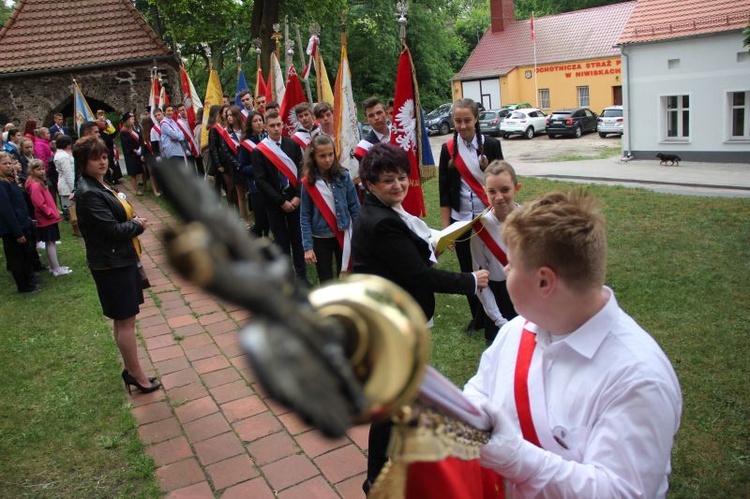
524, 8
6, 7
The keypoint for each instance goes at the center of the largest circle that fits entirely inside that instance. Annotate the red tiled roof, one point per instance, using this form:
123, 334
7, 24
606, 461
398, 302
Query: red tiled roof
572, 36
654, 20
49, 35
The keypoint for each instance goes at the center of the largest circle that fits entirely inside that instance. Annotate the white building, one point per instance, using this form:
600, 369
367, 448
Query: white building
686, 84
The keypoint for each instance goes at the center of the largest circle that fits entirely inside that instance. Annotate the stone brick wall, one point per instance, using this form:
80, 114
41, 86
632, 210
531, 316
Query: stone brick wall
115, 89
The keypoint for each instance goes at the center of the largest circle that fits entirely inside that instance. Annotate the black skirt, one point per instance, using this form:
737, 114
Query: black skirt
120, 291
48, 234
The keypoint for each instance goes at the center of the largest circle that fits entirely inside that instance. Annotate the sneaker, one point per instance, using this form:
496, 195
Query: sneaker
58, 242
30, 290
61, 271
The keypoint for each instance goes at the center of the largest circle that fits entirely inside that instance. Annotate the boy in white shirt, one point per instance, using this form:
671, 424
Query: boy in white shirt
584, 402
488, 251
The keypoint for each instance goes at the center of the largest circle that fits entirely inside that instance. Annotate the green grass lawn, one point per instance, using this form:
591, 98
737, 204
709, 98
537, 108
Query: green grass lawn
678, 264
65, 424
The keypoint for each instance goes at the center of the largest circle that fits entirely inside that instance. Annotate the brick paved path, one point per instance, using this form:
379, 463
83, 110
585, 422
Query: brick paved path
211, 431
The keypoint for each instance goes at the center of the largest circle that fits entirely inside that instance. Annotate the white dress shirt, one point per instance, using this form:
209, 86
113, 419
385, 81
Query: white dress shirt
470, 204
605, 403
483, 258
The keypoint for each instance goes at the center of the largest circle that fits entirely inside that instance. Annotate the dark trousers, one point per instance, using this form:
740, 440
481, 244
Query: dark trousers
199, 169
377, 449
327, 251
463, 253
288, 235
20, 261
502, 298
261, 227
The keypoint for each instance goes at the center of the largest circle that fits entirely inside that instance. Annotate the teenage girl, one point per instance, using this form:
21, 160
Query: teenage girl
463, 160
328, 208
46, 214
255, 132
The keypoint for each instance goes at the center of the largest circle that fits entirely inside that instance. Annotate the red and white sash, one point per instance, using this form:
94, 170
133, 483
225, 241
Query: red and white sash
322, 196
132, 134
362, 149
225, 135
249, 145
465, 163
491, 239
280, 160
303, 138
521, 386
188, 138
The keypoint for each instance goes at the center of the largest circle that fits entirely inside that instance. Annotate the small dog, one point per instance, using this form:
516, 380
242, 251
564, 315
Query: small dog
675, 159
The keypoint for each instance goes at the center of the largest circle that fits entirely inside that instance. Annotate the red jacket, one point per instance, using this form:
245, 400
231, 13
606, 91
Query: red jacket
45, 209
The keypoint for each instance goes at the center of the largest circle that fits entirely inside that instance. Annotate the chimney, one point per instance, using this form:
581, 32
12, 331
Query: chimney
502, 14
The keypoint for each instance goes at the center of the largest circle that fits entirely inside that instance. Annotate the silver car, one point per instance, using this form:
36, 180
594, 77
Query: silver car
610, 121
490, 121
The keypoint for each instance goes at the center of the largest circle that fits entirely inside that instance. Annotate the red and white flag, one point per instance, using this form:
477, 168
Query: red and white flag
190, 97
260, 85
153, 99
293, 95
311, 51
163, 95
404, 130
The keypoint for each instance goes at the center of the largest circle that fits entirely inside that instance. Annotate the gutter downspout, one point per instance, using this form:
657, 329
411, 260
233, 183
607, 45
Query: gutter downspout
626, 147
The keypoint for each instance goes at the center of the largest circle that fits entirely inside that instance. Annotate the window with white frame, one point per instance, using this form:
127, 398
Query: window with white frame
583, 96
677, 116
544, 98
739, 103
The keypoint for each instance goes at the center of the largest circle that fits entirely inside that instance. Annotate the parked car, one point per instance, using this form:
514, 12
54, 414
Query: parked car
489, 121
526, 122
517, 105
610, 121
440, 120
572, 122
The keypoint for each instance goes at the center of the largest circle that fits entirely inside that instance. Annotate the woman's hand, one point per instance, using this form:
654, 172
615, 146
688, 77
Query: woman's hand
483, 278
288, 207
141, 221
310, 257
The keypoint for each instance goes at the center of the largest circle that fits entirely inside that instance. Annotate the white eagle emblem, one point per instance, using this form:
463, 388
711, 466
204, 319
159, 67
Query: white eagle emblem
406, 126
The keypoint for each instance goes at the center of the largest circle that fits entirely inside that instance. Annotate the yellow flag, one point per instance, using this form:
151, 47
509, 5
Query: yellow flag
326, 94
213, 97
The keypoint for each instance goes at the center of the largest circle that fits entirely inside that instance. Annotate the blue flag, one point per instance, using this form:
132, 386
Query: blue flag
427, 159
81, 110
241, 87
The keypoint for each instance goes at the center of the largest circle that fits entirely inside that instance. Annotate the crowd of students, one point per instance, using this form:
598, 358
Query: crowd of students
583, 401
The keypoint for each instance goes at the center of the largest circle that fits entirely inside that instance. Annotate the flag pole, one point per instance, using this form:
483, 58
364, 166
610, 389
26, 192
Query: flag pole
536, 80
302, 62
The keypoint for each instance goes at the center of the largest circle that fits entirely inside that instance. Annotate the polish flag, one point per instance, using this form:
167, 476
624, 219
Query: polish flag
404, 130
293, 95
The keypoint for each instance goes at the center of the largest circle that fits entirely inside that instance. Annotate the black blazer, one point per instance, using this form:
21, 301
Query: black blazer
267, 175
383, 245
450, 180
103, 221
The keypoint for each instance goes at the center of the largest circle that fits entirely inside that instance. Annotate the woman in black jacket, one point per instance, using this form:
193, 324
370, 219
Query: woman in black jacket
111, 231
391, 243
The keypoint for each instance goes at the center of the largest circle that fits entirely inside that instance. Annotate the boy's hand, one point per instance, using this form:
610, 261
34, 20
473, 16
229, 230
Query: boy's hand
483, 278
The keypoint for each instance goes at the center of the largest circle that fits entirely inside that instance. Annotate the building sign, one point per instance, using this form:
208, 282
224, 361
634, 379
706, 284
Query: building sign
584, 69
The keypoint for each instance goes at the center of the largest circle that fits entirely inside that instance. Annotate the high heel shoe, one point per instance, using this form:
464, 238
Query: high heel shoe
131, 381
150, 380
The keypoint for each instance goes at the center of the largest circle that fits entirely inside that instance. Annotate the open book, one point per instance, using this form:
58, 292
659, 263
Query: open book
441, 239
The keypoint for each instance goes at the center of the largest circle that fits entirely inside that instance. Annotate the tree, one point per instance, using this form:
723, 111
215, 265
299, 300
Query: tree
6, 7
